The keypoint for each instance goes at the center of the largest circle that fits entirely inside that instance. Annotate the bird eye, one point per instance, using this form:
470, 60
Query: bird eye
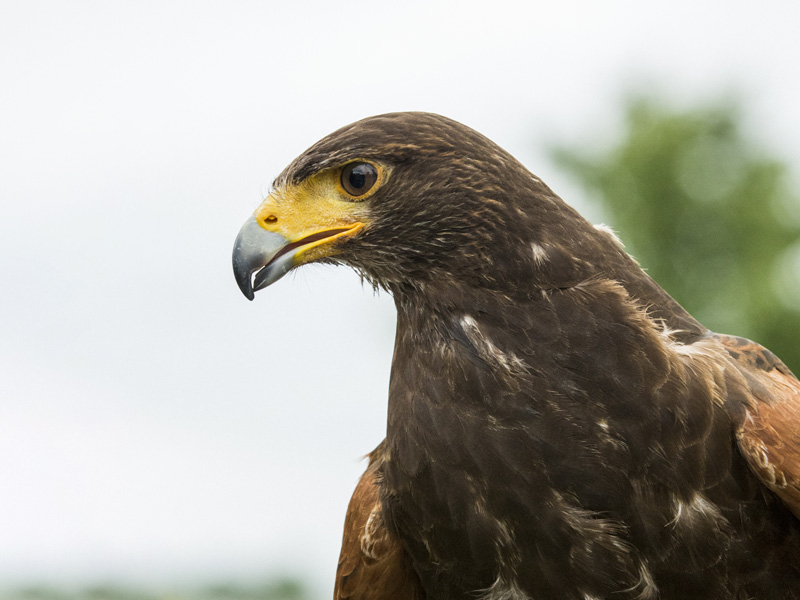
358, 178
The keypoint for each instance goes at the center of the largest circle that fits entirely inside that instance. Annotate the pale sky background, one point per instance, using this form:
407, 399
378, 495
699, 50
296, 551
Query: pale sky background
154, 425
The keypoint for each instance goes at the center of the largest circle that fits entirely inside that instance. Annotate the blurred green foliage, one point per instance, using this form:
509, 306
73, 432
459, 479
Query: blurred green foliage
707, 213
278, 589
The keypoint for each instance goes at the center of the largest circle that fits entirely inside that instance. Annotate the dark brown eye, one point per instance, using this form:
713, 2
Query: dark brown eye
358, 178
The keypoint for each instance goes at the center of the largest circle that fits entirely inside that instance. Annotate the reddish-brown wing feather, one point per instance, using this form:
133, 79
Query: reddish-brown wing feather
372, 565
769, 437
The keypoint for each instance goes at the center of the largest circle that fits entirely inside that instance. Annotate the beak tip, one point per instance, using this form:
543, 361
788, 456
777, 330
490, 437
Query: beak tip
256, 248
244, 284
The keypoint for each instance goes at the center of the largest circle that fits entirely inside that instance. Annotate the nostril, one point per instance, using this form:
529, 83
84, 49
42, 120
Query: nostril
271, 219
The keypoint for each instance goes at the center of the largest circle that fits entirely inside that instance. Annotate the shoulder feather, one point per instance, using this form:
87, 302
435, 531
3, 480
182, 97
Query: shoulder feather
372, 563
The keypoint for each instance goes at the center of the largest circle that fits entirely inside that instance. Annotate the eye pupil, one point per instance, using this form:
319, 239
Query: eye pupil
358, 178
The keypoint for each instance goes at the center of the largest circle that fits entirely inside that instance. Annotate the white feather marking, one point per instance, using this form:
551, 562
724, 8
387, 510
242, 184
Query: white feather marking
502, 590
701, 505
774, 477
539, 254
367, 541
504, 537
610, 232
488, 351
697, 507
646, 585
701, 360
678, 512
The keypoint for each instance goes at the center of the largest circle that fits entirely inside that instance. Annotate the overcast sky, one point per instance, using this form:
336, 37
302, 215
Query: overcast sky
154, 425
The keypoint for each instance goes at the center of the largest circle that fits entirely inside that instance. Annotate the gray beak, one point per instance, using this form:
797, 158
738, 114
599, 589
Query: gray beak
257, 251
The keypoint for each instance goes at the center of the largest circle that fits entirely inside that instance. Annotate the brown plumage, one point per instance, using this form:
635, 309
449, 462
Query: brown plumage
372, 563
769, 437
558, 426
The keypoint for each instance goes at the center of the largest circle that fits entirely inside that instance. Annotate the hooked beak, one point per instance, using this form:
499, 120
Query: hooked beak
257, 250
261, 257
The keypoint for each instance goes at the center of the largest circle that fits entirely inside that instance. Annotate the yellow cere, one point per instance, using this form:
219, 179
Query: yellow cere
310, 208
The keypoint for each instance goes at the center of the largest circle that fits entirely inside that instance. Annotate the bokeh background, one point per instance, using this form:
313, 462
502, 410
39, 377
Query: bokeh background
162, 437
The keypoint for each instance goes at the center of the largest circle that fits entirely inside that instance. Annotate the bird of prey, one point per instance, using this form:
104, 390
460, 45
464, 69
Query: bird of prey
558, 426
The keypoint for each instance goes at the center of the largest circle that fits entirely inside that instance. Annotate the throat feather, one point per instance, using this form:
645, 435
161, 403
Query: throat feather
486, 350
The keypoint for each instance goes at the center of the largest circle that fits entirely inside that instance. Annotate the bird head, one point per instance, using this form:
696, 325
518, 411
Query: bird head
406, 198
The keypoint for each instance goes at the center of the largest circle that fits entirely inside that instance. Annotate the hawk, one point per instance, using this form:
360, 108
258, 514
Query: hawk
558, 426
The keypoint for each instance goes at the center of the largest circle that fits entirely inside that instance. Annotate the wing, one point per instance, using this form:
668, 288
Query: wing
372, 564
769, 437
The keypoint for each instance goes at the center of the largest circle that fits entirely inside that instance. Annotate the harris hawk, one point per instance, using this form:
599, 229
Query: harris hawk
558, 426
